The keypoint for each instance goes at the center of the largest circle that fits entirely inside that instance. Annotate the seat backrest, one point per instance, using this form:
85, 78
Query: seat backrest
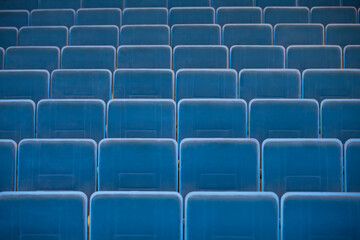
342, 34
43, 36
275, 15
145, 35
351, 167
52, 17
94, 35
14, 18
8, 37
8, 150
352, 56
187, 15
144, 16
99, 16
238, 15
327, 15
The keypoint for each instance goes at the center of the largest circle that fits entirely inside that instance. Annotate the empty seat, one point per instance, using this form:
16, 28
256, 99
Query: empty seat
276, 3
304, 57
315, 3
247, 34
144, 57
43, 36
141, 16
200, 57
331, 83
52, 17
270, 118
43, 215
320, 216
189, 3
49, 4
199, 34
238, 15
257, 57
143, 83
138, 215
71, 119
8, 37
57, 164
298, 34
145, 35
81, 84
343, 34
47, 58
103, 4
352, 56
141, 118
206, 83
138, 165
219, 165
17, 119
352, 165
199, 15
275, 15
19, 4
99, 16
327, 15
2, 54
231, 3
231, 215
88, 57
353, 3
145, 3
24, 84
269, 83
345, 127
294, 165
14, 18
8, 151
94, 35
212, 118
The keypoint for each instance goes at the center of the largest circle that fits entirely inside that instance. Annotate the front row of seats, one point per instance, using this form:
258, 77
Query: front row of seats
159, 215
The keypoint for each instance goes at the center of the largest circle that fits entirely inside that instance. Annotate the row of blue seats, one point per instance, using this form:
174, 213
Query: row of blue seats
196, 118
159, 215
206, 164
184, 34
206, 15
318, 84
210, 56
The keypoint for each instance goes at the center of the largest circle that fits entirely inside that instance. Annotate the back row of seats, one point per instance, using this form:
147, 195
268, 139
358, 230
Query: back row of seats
234, 215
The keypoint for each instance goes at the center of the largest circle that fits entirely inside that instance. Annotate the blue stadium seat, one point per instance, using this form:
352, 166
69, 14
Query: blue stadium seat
294, 165
146, 3
200, 57
94, 35
19, 4
141, 16
138, 215
52, 17
287, 34
232, 3
2, 54
320, 3
352, 161
269, 83
24, 84
198, 15
231, 215
211, 118
144, 57
275, 3
143, 83
342, 34
353, 3
99, 16
352, 56
138, 165
103, 4
189, 3
47, 58
71, 119
17, 119
43, 215
307, 56
8, 151
206, 83
88, 57
238, 15
257, 57
145, 35
320, 216
331, 83
43, 36
269, 118
81, 84
195, 34
247, 34
141, 118
275, 15
219, 165
8, 37
327, 15
345, 127
57, 165
50, 4
14, 18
